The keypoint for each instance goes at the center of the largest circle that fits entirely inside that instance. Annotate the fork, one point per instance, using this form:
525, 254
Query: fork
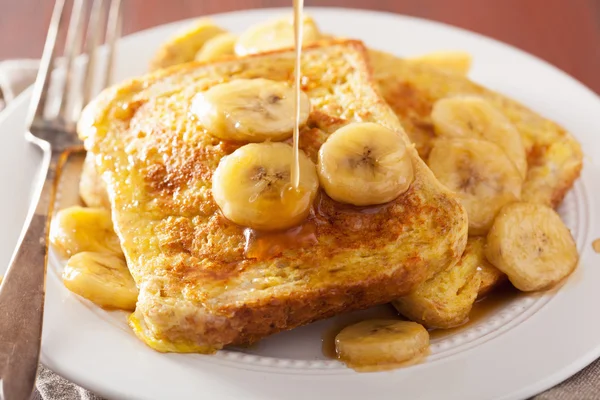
23, 289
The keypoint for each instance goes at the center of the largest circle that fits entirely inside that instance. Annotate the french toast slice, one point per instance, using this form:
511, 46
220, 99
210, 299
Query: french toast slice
554, 157
198, 290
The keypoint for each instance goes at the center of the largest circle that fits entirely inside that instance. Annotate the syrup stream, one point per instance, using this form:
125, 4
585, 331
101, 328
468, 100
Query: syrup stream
298, 22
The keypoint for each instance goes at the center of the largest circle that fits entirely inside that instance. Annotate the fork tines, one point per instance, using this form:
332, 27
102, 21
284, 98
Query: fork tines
76, 75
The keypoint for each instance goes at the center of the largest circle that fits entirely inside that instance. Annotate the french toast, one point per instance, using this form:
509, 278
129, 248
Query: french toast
198, 291
553, 164
412, 85
554, 157
445, 301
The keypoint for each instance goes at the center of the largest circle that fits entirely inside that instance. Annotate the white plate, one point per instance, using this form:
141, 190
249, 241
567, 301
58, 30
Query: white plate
527, 346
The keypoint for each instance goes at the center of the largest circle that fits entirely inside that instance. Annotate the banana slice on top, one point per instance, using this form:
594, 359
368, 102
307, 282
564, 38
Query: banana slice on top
252, 186
530, 244
102, 278
77, 229
275, 34
480, 174
365, 164
474, 117
381, 342
250, 110
456, 62
217, 47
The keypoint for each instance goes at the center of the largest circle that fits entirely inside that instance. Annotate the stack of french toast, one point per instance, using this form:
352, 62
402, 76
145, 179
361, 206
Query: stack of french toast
166, 225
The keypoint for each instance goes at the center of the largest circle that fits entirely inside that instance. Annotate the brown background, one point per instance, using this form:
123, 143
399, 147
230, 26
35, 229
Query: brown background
564, 32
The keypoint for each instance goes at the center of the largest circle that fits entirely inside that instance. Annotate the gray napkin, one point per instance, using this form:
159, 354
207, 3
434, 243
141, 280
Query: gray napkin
17, 75
50, 386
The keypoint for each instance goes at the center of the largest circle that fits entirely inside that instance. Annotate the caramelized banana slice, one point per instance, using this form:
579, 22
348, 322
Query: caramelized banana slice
77, 229
473, 117
381, 342
530, 244
480, 174
250, 110
456, 62
252, 186
445, 300
275, 34
102, 279
365, 164
183, 47
219, 46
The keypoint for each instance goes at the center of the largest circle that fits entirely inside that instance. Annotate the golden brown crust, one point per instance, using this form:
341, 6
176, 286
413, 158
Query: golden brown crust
445, 301
198, 292
554, 156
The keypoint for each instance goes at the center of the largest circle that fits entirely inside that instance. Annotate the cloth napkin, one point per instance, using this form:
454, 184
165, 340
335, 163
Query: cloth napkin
17, 75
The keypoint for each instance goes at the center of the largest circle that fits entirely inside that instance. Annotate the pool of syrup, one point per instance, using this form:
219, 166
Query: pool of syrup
262, 245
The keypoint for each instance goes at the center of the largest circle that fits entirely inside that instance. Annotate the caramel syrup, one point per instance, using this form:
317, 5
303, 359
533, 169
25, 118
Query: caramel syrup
298, 24
265, 245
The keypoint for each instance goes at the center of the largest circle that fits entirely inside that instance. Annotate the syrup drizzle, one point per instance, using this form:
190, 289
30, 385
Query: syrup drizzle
298, 22
265, 245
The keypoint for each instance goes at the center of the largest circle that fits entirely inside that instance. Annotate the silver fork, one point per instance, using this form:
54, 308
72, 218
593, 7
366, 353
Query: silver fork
22, 291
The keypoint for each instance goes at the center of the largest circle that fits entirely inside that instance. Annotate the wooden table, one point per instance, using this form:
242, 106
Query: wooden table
564, 32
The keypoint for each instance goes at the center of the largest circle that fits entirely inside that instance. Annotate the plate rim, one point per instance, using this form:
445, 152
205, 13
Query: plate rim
559, 376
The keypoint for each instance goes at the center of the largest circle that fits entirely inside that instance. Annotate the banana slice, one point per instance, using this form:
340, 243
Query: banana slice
365, 164
77, 229
490, 275
92, 188
530, 244
480, 174
474, 117
217, 47
183, 47
457, 62
252, 186
250, 110
381, 342
102, 279
275, 34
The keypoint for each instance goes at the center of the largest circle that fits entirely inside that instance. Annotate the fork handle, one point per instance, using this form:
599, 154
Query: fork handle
22, 294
